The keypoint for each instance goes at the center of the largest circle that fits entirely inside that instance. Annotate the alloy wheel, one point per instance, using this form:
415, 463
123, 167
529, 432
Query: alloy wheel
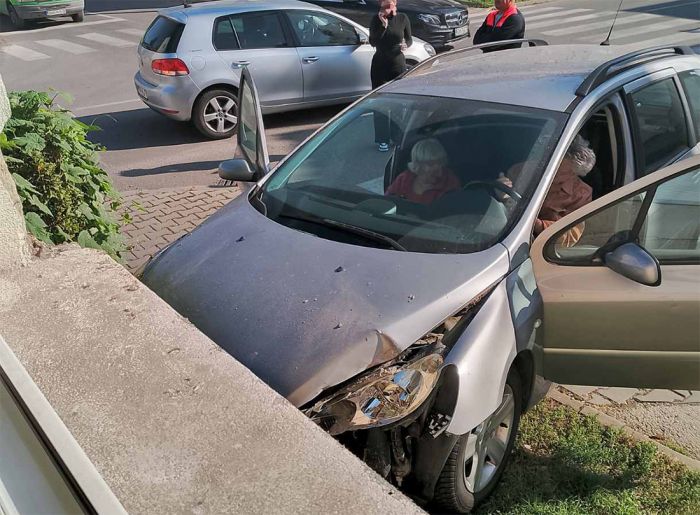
487, 446
220, 114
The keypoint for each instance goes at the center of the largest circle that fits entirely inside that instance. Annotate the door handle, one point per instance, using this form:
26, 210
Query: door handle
308, 60
239, 64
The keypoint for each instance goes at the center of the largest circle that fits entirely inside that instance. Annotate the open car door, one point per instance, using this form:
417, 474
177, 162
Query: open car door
251, 136
622, 304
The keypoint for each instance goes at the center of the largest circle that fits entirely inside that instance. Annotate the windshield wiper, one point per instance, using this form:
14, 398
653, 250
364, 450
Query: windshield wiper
353, 229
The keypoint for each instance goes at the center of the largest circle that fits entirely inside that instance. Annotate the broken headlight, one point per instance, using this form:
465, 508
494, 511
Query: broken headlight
379, 398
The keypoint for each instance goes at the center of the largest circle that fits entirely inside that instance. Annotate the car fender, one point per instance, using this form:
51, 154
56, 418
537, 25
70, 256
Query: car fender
483, 355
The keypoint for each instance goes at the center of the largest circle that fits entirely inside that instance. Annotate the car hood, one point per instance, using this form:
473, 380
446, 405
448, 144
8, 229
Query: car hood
423, 6
305, 313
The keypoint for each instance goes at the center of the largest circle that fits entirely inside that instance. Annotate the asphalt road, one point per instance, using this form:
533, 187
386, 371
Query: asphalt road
146, 150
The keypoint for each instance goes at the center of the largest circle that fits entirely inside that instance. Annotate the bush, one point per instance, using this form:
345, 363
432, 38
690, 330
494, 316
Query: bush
65, 194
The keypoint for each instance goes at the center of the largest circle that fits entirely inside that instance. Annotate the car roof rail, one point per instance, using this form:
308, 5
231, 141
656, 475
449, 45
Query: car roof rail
530, 41
603, 72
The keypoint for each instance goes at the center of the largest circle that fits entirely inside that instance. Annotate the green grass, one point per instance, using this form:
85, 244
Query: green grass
566, 463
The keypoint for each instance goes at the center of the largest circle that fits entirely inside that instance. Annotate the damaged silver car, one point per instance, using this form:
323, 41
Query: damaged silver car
399, 297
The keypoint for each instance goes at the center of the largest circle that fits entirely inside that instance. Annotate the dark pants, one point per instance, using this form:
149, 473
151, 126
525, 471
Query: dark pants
385, 68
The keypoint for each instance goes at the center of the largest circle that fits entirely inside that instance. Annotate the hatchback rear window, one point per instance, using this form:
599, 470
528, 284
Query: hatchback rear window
163, 35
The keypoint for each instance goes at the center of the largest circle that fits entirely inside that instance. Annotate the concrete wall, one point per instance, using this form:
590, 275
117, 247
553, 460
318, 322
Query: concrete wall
171, 422
14, 247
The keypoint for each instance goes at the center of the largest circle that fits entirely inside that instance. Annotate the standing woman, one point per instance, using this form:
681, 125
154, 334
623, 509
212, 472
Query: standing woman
390, 34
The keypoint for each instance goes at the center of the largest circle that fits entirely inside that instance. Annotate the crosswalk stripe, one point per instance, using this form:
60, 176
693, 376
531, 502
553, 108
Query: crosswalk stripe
132, 32
548, 23
538, 10
586, 27
107, 40
641, 30
26, 54
554, 15
66, 46
670, 39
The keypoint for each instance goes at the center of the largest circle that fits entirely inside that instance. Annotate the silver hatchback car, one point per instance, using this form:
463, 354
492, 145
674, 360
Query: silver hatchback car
400, 300
190, 60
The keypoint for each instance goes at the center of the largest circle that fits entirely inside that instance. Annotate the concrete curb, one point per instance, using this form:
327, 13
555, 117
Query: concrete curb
608, 421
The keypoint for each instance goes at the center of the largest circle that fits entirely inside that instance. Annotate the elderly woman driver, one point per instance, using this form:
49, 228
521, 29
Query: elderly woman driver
428, 177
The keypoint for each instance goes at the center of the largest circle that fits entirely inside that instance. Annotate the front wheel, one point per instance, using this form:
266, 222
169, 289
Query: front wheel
478, 459
78, 17
18, 22
215, 114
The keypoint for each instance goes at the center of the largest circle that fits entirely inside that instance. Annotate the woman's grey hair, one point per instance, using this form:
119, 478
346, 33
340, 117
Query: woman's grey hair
428, 149
581, 156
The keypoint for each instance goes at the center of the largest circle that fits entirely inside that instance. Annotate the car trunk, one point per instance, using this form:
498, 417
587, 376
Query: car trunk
160, 42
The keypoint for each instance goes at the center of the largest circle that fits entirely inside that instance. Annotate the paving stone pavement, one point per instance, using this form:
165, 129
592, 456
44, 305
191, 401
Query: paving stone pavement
603, 396
162, 216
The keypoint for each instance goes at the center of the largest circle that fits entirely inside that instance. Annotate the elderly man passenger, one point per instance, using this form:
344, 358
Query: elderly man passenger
428, 176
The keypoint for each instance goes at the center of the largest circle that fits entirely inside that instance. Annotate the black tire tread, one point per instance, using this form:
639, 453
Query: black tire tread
197, 108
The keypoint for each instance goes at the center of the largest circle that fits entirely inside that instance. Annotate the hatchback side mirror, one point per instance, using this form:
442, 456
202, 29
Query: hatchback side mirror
236, 170
634, 262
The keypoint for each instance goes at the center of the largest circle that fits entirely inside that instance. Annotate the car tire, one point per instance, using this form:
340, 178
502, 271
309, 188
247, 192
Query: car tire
461, 487
15, 20
78, 17
215, 113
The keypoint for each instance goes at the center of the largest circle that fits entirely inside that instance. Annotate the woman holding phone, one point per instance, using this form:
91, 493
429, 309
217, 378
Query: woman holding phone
390, 34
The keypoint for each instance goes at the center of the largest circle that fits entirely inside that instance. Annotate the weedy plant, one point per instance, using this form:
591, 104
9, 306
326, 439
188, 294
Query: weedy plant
65, 194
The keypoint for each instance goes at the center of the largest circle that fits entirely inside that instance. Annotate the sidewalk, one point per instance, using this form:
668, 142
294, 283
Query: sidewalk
162, 216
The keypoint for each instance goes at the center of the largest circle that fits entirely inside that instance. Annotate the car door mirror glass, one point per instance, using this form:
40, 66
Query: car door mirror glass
362, 38
634, 262
236, 170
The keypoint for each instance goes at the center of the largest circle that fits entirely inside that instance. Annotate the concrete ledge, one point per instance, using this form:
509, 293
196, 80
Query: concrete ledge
609, 421
171, 422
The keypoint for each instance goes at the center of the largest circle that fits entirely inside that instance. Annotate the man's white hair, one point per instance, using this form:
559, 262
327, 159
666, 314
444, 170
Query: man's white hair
428, 149
581, 156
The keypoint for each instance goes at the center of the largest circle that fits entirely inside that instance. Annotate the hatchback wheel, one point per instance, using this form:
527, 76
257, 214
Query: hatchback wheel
479, 458
15, 19
215, 114
78, 17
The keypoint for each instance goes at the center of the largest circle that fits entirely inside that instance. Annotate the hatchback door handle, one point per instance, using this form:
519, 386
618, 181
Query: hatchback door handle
310, 59
239, 64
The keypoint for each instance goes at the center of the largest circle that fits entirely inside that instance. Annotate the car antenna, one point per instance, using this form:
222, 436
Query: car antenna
607, 40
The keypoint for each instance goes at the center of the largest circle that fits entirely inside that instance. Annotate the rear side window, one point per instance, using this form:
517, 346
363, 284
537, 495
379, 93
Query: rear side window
163, 35
224, 35
259, 30
660, 124
691, 84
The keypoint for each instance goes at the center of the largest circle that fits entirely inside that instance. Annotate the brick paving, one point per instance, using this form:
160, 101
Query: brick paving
162, 216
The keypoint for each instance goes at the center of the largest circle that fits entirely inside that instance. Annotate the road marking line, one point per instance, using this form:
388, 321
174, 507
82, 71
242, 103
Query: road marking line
106, 40
673, 39
641, 30
554, 15
108, 104
586, 27
62, 27
548, 23
132, 32
66, 46
537, 10
25, 54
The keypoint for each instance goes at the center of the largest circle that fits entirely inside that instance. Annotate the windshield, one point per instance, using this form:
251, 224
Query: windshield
415, 173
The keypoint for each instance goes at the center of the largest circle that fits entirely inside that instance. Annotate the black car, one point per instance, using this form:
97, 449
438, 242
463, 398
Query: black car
439, 22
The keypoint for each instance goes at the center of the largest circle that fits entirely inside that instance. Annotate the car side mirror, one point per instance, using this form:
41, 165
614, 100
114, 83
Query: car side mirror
634, 262
362, 38
236, 170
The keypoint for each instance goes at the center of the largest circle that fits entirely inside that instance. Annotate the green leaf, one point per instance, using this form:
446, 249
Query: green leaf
37, 227
34, 201
85, 240
23, 183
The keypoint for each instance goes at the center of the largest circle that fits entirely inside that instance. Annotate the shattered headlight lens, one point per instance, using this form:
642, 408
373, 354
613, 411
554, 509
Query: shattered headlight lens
382, 397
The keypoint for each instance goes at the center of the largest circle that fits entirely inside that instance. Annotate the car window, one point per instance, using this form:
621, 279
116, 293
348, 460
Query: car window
664, 219
318, 29
259, 30
434, 187
163, 35
691, 84
660, 124
248, 124
224, 36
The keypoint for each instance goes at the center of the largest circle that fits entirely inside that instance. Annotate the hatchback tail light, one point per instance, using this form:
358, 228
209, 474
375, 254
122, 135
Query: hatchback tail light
170, 67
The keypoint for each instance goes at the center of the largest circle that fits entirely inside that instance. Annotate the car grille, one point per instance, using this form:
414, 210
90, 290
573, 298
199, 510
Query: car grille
456, 19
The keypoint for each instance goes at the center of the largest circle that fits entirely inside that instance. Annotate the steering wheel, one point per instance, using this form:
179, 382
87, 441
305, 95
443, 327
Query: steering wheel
494, 186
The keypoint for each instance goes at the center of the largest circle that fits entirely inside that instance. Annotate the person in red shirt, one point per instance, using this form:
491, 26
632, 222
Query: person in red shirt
428, 177
502, 23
